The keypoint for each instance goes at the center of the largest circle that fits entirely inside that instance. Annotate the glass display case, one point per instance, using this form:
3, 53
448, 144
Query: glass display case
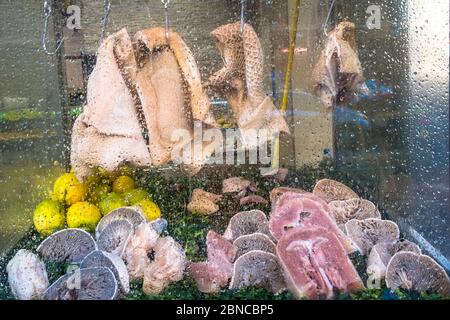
190, 149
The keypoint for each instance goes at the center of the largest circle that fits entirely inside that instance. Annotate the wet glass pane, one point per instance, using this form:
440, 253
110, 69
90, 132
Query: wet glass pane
220, 129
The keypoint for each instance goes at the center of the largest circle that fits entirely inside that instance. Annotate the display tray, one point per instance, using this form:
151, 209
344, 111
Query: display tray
173, 191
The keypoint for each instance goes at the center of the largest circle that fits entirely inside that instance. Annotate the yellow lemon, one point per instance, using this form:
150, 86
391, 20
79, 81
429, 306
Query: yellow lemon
68, 189
48, 217
83, 215
136, 195
123, 184
150, 209
111, 202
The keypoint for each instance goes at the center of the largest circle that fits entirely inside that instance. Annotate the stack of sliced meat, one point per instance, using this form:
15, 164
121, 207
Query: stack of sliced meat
311, 248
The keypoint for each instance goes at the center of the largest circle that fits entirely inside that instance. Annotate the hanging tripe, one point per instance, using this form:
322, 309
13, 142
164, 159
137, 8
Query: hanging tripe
241, 81
139, 93
338, 75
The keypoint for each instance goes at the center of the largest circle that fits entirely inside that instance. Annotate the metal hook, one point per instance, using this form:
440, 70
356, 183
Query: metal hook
47, 14
243, 3
330, 10
166, 20
106, 11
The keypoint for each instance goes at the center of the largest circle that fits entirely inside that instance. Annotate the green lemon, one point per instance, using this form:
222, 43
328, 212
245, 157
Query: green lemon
136, 195
83, 215
150, 209
49, 217
111, 202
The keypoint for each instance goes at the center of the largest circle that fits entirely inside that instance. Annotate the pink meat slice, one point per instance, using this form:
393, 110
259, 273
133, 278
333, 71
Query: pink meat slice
213, 274
221, 252
287, 196
300, 210
314, 263
208, 277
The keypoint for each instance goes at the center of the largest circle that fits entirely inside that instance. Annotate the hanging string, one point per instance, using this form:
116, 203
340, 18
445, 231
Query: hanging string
166, 20
327, 21
106, 10
243, 3
47, 14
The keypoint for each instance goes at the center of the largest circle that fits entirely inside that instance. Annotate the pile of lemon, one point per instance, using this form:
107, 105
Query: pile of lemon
77, 204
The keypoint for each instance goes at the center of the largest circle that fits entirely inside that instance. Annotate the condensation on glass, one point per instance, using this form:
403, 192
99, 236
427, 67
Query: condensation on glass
395, 147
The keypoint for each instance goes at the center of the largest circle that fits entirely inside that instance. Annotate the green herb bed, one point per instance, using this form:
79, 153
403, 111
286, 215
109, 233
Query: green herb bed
173, 192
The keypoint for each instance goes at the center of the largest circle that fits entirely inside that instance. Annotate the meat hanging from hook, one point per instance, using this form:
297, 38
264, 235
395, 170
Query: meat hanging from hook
47, 14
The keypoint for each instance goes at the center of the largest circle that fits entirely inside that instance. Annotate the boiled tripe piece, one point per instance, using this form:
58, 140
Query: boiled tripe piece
168, 84
338, 74
108, 134
167, 267
367, 233
142, 100
382, 253
241, 81
258, 268
27, 276
331, 190
413, 271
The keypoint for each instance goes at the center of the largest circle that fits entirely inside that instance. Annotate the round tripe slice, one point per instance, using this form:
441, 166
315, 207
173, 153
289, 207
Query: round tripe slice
84, 284
111, 261
254, 241
115, 236
133, 215
68, 245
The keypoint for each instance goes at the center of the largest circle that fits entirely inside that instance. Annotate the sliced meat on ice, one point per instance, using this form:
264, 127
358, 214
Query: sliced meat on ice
314, 263
296, 210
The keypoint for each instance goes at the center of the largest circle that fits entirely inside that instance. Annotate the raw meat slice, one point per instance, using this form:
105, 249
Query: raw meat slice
209, 278
221, 252
314, 263
296, 210
214, 273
